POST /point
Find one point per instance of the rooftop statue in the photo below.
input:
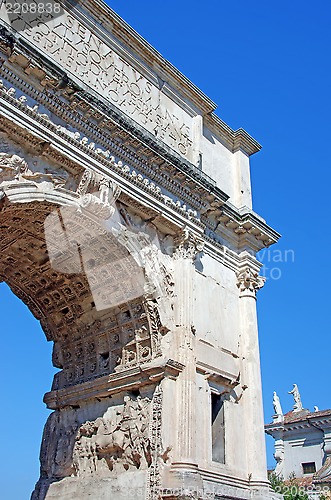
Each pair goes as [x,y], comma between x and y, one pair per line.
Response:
[297,398]
[277,406]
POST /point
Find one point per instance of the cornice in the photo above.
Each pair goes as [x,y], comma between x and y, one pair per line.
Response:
[244,229]
[109,22]
[219,220]
[52,76]
[107,385]
[306,423]
[235,140]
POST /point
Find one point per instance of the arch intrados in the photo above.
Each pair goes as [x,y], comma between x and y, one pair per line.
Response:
[24,261]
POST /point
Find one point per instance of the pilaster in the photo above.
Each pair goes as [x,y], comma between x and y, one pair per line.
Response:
[184,458]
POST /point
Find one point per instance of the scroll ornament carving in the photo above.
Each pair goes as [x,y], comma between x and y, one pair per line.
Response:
[249,282]
[158,455]
[118,440]
[279,457]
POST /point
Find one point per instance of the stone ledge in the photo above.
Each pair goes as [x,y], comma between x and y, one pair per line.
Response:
[106,386]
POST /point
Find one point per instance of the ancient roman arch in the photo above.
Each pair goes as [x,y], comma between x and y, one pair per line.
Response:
[128,230]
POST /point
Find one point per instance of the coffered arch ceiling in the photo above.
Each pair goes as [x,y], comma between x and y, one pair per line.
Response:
[90,341]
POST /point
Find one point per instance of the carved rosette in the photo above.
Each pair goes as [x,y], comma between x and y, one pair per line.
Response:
[249,282]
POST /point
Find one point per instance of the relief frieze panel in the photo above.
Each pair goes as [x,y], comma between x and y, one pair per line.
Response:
[117,441]
[170,193]
[16,165]
[100,442]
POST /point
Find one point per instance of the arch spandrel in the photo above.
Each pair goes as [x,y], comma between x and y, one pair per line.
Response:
[65,156]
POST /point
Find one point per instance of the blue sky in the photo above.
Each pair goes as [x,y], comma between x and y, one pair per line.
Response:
[267,65]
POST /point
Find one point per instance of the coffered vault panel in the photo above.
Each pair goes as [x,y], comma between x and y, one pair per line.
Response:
[127,229]
[88,343]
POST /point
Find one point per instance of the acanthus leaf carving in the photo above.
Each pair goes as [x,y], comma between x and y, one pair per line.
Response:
[188,245]
[249,282]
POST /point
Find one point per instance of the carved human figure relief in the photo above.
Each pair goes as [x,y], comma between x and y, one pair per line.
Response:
[115,442]
[14,168]
[11,167]
[98,194]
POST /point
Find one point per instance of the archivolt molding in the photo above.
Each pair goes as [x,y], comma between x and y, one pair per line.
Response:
[98,327]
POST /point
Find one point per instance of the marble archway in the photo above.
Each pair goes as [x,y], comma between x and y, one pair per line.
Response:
[100,287]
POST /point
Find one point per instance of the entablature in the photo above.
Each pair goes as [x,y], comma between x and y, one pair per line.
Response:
[86,132]
[108,385]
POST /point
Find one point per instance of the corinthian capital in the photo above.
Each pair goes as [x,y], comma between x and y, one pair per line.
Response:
[249,282]
[188,245]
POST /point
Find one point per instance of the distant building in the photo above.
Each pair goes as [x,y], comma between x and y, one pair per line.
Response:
[302,445]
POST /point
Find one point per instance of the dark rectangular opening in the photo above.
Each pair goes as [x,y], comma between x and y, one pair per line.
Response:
[217,429]
[309,467]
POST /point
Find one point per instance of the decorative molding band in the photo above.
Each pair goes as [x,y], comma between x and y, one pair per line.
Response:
[106,386]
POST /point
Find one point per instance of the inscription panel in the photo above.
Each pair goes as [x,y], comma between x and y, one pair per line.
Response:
[96,64]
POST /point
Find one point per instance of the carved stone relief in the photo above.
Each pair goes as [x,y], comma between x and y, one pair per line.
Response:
[249,282]
[100,67]
[88,343]
[17,166]
[130,337]
[115,442]
[11,167]
[58,444]
[125,436]
[135,176]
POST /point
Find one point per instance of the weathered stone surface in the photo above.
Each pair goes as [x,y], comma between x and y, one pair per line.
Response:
[138,263]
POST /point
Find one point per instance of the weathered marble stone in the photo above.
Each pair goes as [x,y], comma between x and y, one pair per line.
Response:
[127,229]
